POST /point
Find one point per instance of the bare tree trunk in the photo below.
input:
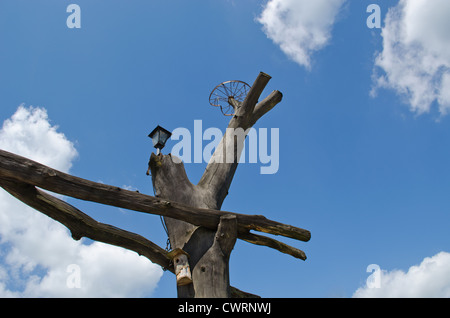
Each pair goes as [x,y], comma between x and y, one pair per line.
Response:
[22,177]
[210,250]
[191,212]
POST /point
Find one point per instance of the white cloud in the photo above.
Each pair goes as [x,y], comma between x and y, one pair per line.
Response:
[415,60]
[29,133]
[300,27]
[36,252]
[429,279]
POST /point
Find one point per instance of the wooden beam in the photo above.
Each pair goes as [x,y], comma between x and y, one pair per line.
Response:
[269,242]
[82,225]
[20,169]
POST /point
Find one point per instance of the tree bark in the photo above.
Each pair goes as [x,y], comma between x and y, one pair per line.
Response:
[191,212]
[210,250]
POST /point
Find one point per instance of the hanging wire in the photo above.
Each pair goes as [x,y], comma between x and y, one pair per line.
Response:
[168,245]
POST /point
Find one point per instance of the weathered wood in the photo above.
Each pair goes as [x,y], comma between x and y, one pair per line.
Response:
[220,170]
[180,262]
[171,182]
[247,107]
[265,105]
[14,167]
[191,212]
[208,263]
[280,246]
[82,225]
[213,266]
[237,293]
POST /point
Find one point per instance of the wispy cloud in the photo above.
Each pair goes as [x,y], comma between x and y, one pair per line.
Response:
[431,278]
[36,252]
[415,60]
[300,27]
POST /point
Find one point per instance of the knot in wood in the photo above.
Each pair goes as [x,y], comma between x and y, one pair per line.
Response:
[49,172]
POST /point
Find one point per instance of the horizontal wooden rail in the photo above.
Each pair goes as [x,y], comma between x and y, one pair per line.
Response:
[14,167]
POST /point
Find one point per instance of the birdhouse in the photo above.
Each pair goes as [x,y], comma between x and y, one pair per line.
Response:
[181,265]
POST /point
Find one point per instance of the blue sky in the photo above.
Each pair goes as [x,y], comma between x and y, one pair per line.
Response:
[364,131]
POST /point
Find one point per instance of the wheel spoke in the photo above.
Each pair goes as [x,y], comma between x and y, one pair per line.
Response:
[220,95]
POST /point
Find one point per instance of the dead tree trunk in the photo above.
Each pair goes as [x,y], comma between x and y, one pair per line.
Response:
[192,213]
[209,250]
